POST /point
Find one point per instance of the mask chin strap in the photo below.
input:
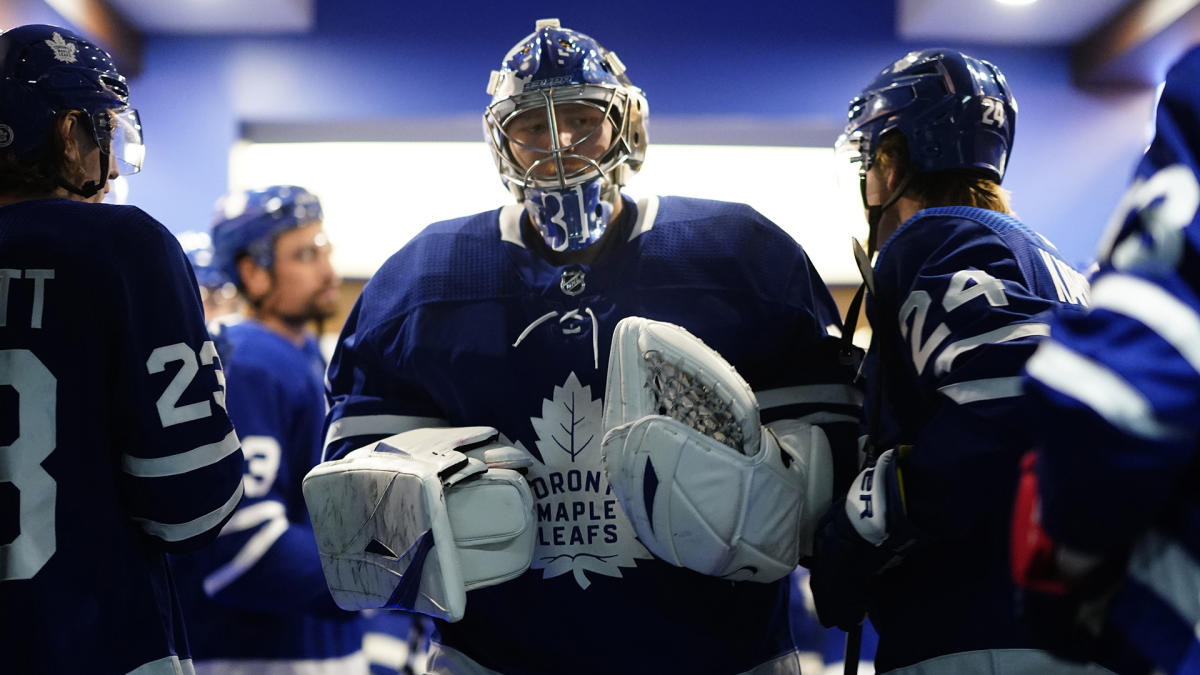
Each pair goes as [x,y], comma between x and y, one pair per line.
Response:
[874,215]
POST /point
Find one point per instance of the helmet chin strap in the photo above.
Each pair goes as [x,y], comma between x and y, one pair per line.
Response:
[90,188]
[874,215]
[875,211]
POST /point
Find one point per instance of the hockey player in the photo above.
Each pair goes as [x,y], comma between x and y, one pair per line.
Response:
[957,297]
[256,599]
[114,442]
[218,294]
[505,319]
[1116,394]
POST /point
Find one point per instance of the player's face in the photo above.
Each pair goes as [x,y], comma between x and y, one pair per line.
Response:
[304,285]
[577,123]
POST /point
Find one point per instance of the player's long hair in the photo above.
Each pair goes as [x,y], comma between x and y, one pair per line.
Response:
[36,176]
[955,187]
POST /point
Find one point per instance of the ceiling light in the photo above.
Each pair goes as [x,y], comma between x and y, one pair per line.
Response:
[1016,2]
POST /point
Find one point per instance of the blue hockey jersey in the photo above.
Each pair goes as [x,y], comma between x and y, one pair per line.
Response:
[258,593]
[961,299]
[114,443]
[1118,396]
[469,325]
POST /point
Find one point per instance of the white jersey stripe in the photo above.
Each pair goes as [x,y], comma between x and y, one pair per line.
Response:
[982,390]
[174,465]
[1006,334]
[253,551]
[647,214]
[253,516]
[841,394]
[181,531]
[373,425]
[510,224]
[1100,389]
[826,418]
[449,661]
[385,650]
[339,665]
[1171,319]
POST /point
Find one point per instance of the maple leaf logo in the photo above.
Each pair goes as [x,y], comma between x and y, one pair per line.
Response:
[581,527]
[63,51]
[570,421]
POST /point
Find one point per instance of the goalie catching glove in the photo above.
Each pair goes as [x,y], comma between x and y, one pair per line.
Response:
[418,519]
[705,485]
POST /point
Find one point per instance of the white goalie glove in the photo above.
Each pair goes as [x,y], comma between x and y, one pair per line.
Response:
[706,486]
[418,519]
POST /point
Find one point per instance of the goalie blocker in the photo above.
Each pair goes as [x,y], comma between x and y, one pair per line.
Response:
[705,485]
[416,520]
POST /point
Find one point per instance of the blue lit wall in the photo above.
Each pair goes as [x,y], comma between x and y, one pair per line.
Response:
[1074,150]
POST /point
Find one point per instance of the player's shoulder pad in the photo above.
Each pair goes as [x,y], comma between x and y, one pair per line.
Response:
[450,260]
[936,235]
[250,350]
[693,212]
[129,241]
[701,233]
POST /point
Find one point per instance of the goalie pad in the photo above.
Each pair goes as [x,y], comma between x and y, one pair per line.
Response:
[705,485]
[411,522]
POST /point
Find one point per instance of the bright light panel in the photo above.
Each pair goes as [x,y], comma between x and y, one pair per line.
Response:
[378,195]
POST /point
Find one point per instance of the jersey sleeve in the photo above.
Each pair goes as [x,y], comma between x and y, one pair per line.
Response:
[1117,390]
[817,381]
[266,556]
[369,396]
[181,466]
[1117,395]
[958,319]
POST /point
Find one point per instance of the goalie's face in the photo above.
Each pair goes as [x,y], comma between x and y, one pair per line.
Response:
[568,132]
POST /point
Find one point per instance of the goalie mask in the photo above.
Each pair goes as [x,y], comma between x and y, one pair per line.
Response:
[567,129]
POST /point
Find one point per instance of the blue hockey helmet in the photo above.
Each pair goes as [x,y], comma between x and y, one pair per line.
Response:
[45,71]
[568,194]
[248,222]
[955,111]
[198,248]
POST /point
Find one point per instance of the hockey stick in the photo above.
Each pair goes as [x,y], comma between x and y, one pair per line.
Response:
[853,649]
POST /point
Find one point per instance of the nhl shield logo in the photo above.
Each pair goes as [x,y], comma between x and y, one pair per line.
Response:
[572,282]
